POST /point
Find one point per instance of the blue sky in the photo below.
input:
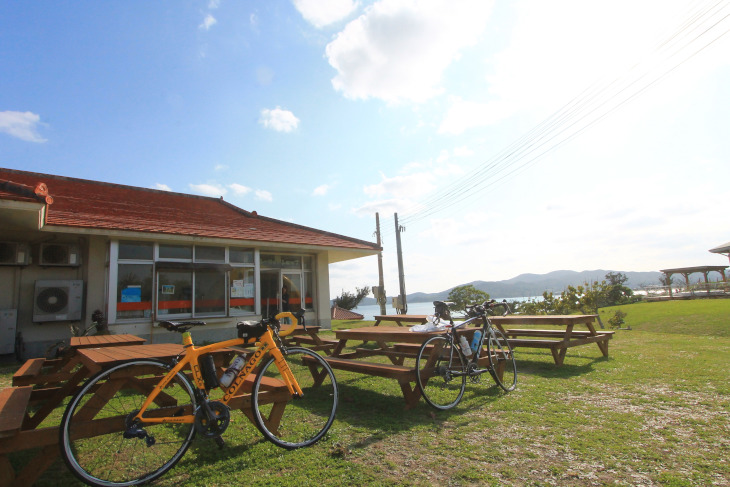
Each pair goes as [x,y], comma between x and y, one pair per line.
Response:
[509,137]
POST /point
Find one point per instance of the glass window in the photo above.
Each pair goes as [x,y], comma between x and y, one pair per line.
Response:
[176,252]
[210,292]
[210,254]
[270,261]
[307,260]
[291,262]
[134,291]
[243,290]
[309,291]
[174,292]
[240,256]
[136,251]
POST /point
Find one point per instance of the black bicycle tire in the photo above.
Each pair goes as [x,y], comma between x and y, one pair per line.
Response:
[497,341]
[422,381]
[330,415]
[64,429]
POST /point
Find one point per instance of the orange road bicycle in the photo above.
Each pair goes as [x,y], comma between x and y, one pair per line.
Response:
[130,424]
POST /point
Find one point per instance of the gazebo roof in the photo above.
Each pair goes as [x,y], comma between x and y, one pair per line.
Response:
[690,270]
[721,249]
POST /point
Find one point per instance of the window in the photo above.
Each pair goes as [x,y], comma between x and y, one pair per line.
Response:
[210,292]
[134,291]
[174,292]
[243,291]
[210,254]
[181,252]
[171,281]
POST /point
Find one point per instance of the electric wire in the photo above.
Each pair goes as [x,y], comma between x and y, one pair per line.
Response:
[510,160]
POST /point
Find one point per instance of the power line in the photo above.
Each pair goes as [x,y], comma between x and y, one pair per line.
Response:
[607,96]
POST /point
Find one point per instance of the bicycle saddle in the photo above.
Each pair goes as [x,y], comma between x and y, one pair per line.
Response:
[180,326]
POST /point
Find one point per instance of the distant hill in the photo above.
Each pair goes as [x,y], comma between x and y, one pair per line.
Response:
[530,285]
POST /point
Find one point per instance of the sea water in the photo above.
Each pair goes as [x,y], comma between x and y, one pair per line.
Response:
[425,308]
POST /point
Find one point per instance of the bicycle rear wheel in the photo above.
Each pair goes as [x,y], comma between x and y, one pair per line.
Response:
[499,350]
[305,419]
[441,373]
[93,426]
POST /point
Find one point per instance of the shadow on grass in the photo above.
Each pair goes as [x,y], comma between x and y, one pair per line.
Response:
[538,363]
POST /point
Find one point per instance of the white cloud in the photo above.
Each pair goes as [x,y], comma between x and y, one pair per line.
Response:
[320,13]
[162,187]
[208,22]
[239,189]
[412,185]
[398,49]
[321,190]
[463,115]
[22,125]
[209,189]
[220,167]
[278,119]
[263,195]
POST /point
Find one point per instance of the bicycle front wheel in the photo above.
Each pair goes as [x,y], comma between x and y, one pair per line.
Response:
[500,354]
[303,420]
[92,431]
[441,373]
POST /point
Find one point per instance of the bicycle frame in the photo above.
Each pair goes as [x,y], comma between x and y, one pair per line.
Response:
[474,357]
[265,344]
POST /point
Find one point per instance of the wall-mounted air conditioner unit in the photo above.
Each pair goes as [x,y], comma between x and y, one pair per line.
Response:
[58,300]
[59,254]
[14,253]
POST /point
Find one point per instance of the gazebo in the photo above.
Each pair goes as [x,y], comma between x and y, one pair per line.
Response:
[687,271]
[723,249]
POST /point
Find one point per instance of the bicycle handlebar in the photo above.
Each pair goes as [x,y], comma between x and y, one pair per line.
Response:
[296,319]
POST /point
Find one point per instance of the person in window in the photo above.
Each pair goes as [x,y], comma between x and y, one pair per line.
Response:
[285,299]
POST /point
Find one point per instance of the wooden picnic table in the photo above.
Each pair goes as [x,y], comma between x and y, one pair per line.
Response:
[400,319]
[39,371]
[557,340]
[309,338]
[19,430]
[396,343]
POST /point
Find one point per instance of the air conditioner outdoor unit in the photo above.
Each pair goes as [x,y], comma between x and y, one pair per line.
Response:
[14,253]
[58,300]
[59,254]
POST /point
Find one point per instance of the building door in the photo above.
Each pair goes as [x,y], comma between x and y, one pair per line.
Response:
[280,291]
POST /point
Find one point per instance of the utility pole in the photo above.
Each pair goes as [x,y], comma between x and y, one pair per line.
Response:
[401,275]
[381,283]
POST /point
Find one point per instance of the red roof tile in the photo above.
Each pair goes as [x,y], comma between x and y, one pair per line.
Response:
[79,203]
[345,314]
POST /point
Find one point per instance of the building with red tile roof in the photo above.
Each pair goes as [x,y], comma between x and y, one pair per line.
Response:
[141,255]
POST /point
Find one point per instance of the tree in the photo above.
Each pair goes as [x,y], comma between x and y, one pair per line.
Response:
[348,300]
[616,292]
[466,295]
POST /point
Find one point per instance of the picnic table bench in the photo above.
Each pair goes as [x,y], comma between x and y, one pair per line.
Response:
[556,340]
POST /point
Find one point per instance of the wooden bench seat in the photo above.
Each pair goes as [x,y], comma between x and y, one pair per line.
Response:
[398,372]
[28,371]
[310,342]
[551,333]
[13,403]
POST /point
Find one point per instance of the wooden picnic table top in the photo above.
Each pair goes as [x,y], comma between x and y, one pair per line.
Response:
[543,319]
[389,334]
[400,319]
[105,341]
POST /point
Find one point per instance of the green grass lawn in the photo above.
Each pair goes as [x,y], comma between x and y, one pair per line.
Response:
[655,413]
